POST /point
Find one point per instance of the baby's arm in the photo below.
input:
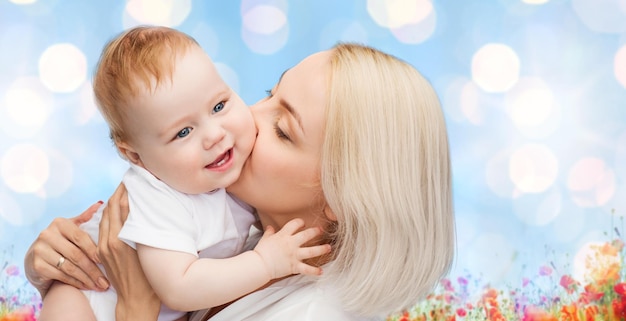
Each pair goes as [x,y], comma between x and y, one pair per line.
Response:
[65,303]
[185,283]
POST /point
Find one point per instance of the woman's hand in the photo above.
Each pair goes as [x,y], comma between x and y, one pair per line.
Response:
[65,253]
[135,298]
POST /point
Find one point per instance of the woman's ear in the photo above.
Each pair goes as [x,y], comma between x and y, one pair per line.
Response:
[329,213]
[129,153]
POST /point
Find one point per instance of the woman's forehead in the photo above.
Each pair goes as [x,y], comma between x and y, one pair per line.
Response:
[305,88]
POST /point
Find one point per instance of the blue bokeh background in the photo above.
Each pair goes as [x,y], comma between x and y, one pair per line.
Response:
[533,91]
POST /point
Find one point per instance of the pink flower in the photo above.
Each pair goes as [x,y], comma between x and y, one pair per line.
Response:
[12,270]
[525,282]
[545,270]
[447,285]
[568,283]
[461,312]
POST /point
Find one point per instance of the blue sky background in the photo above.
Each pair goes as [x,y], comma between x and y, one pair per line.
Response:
[533,91]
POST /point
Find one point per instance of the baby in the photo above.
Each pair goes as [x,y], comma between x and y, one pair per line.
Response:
[186,135]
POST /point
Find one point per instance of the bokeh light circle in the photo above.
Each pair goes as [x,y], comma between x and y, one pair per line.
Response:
[61,175]
[532,107]
[497,178]
[533,168]
[415,33]
[265,28]
[264,19]
[495,67]
[170,13]
[25,168]
[62,68]
[23,1]
[591,182]
[607,16]
[28,105]
[619,66]
[398,13]
[538,209]
[591,259]
[535,1]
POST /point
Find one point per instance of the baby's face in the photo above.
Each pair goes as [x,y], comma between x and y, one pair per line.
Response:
[193,132]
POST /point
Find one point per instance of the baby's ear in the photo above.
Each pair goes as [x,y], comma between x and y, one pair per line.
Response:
[129,153]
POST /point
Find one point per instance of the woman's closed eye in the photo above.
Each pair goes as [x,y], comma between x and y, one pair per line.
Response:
[280,133]
[183,132]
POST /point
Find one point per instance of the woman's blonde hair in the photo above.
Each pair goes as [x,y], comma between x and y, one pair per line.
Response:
[138,58]
[386,176]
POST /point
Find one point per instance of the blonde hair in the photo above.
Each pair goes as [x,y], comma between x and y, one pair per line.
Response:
[139,58]
[386,176]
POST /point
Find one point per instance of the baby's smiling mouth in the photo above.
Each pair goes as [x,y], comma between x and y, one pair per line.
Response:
[221,160]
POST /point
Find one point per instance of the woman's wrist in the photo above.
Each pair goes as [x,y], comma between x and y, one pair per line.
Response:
[146,309]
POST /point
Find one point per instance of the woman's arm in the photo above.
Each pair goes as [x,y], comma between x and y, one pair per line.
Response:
[63,238]
[135,298]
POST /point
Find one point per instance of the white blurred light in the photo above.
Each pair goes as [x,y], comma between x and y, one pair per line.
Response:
[497,178]
[25,168]
[495,67]
[530,102]
[62,68]
[23,1]
[28,104]
[602,15]
[620,157]
[619,66]
[265,28]
[61,175]
[398,13]
[533,168]
[532,107]
[470,103]
[10,209]
[538,209]
[591,182]
[169,13]
[264,19]
[589,258]
[21,210]
[87,109]
[535,1]
[415,33]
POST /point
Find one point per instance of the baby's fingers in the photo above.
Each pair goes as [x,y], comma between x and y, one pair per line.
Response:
[313,251]
[303,268]
[292,226]
[307,235]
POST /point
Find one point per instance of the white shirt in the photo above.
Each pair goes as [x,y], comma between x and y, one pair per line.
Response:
[212,225]
[165,218]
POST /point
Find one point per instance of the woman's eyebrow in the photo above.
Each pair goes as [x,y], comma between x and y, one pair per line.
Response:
[287,105]
[293,112]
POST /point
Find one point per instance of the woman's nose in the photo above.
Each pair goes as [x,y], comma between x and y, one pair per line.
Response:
[212,136]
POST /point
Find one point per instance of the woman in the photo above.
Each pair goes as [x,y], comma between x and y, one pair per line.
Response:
[351,140]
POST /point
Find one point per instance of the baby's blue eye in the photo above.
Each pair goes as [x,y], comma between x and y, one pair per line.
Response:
[184,132]
[218,107]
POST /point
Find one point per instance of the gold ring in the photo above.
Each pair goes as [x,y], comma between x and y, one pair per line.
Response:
[61,261]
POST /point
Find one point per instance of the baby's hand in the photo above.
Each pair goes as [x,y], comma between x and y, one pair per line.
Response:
[282,251]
